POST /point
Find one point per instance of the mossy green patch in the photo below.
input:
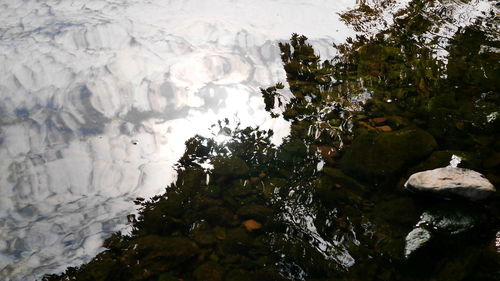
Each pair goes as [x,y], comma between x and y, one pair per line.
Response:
[375,155]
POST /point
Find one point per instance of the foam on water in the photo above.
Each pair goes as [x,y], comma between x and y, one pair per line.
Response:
[98,97]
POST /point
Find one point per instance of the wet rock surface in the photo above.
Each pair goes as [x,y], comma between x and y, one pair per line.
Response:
[444,158]
[450,181]
[416,239]
[447,224]
[384,154]
[450,220]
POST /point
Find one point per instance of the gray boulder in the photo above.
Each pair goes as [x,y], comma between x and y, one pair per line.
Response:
[416,239]
[451,181]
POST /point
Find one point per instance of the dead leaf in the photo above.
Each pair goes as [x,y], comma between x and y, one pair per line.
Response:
[252,225]
[384,128]
[379,120]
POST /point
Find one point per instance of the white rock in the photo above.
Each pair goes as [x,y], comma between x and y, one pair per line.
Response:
[452,181]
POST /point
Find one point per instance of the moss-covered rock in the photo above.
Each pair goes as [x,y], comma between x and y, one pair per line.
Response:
[344,181]
[375,155]
[331,193]
[203,234]
[397,211]
[258,212]
[210,271]
[238,241]
[171,250]
[442,158]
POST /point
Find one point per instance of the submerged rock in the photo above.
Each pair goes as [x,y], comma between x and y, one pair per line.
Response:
[344,181]
[449,181]
[210,271]
[374,154]
[400,211]
[446,224]
[258,212]
[416,239]
[450,220]
[443,158]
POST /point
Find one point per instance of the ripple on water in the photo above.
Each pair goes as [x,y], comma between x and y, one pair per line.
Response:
[98,97]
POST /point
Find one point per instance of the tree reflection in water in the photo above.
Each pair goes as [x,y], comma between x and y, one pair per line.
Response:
[327,203]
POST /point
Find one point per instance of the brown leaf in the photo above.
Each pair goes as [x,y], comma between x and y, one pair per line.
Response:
[384,128]
[252,225]
[379,120]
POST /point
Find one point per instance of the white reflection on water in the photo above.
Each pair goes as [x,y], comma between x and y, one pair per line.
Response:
[98,97]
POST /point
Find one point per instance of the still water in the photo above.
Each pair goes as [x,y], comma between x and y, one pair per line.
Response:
[98,97]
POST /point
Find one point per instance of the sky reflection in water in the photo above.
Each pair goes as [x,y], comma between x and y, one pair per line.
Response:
[98,97]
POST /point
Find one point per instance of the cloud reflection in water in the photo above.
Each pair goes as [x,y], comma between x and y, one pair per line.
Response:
[98,97]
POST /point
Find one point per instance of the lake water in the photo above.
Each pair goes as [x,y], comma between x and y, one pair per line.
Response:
[98,97]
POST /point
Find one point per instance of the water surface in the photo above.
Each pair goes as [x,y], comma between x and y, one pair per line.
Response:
[98,97]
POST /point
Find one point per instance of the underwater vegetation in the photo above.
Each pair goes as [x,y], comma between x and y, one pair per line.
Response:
[329,203]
